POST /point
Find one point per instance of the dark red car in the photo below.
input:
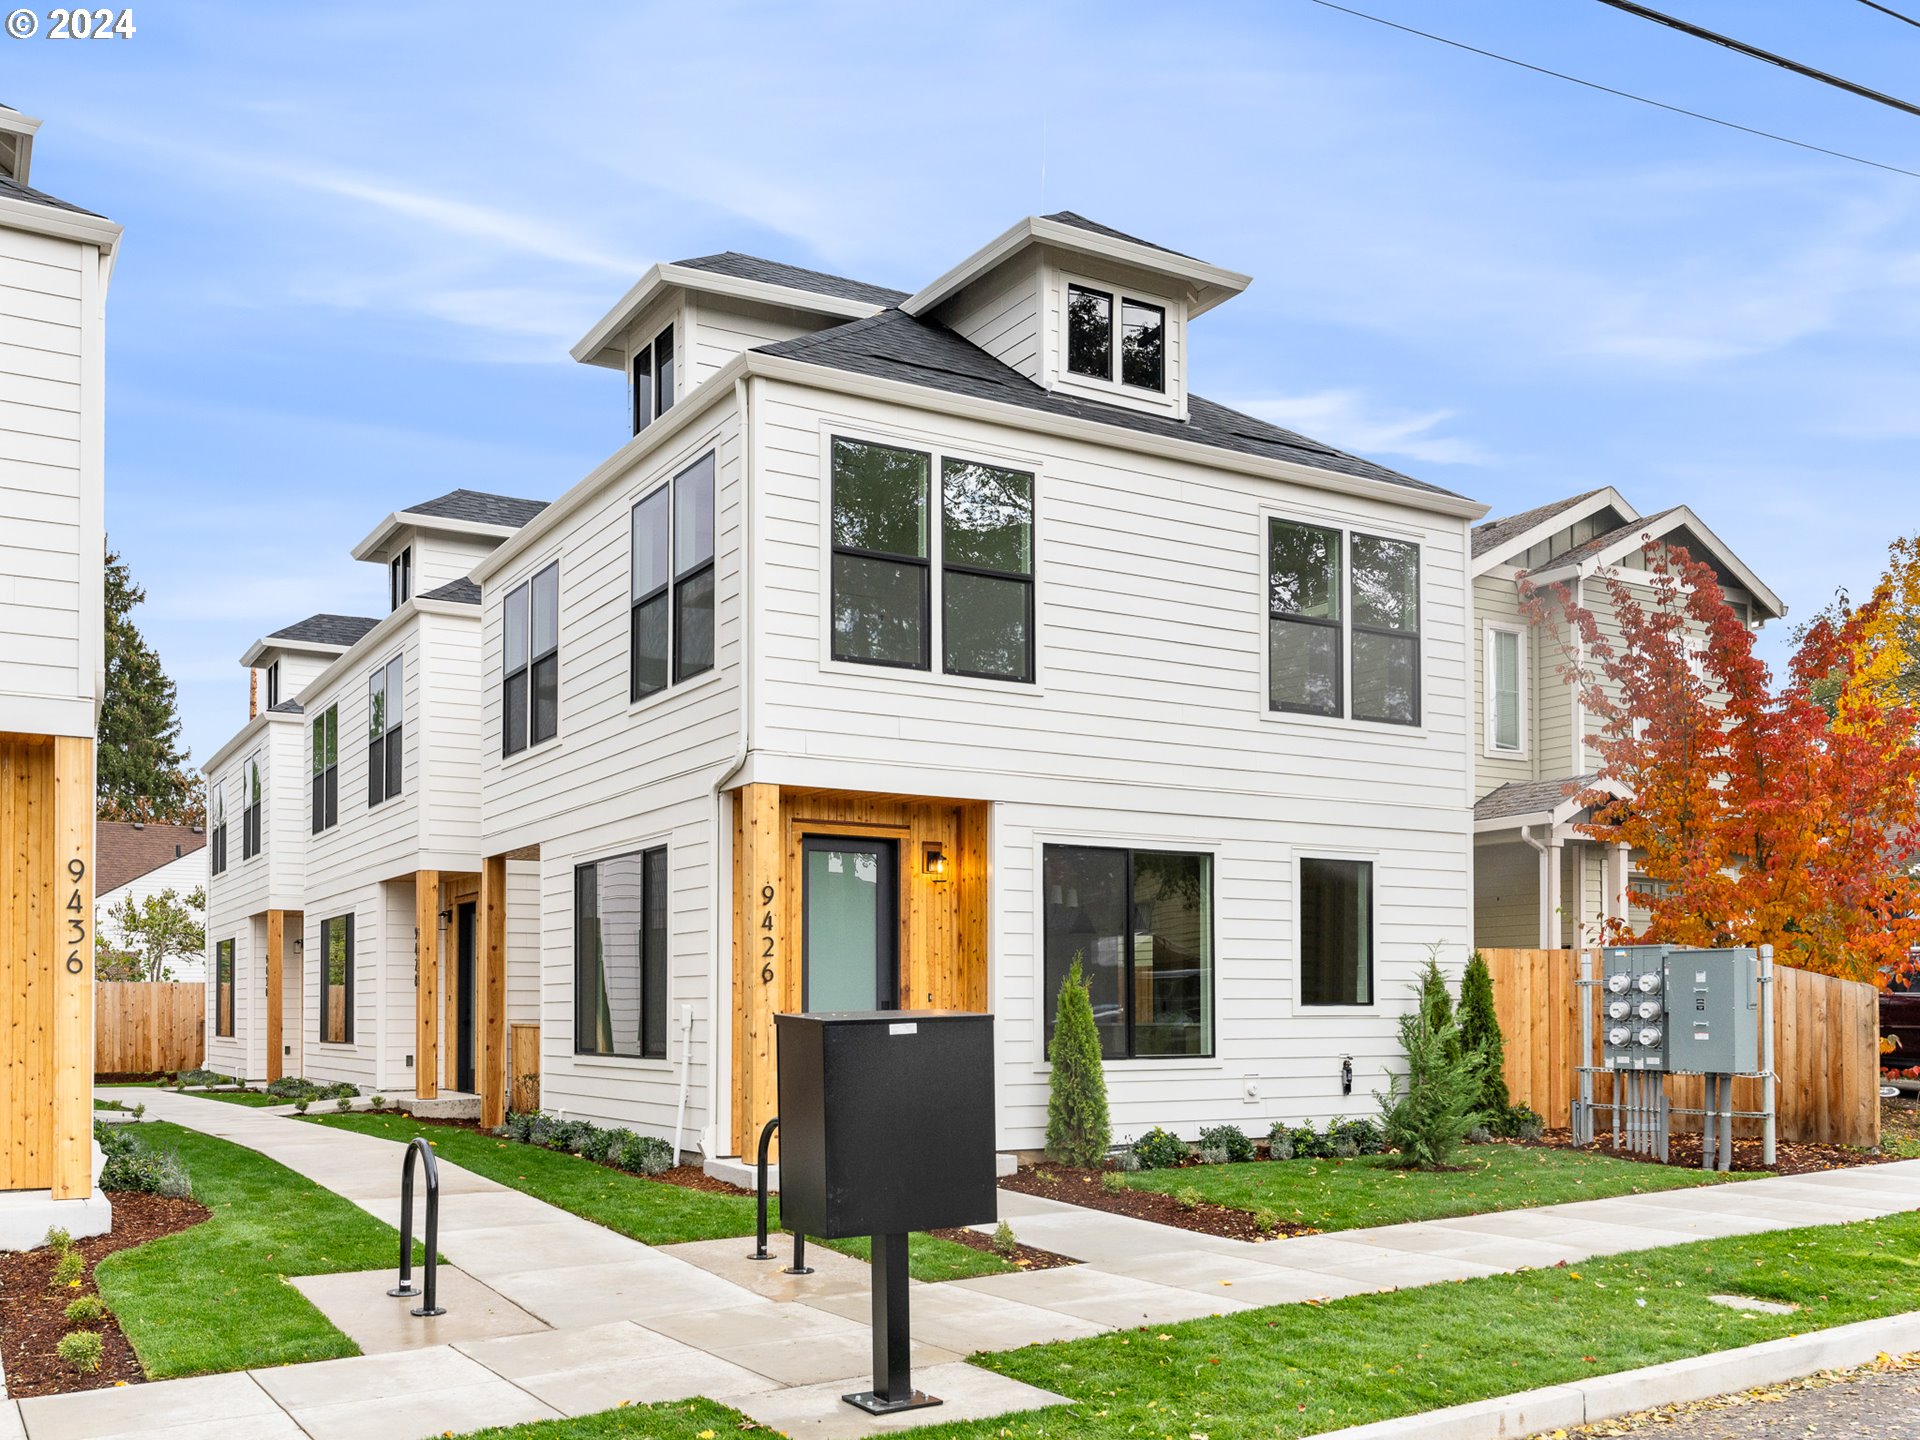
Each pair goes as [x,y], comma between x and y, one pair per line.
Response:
[1900,1018]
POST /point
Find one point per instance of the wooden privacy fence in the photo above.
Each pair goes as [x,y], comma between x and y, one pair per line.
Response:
[140,1026]
[1826,1050]
[523,1049]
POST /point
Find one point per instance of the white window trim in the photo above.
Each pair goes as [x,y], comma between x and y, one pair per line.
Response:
[1489,629]
[1171,396]
[936,449]
[1296,1007]
[1346,525]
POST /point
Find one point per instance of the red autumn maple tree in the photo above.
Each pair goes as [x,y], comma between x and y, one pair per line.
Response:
[1764,819]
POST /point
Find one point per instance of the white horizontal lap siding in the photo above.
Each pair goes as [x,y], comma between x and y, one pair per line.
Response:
[449,736]
[287,822]
[382,842]
[229,1054]
[718,332]
[43,334]
[440,559]
[1151,625]
[1506,889]
[357,1062]
[394,1056]
[1002,314]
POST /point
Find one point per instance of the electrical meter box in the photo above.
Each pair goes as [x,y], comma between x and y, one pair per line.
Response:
[1633,1007]
[1714,996]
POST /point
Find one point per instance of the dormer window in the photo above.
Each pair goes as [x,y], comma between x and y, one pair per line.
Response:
[273,684]
[653,380]
[400,578]
[1090,338]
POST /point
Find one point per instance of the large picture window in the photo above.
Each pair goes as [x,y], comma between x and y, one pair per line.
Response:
[1343,623]
[326,769]
[251,838]
[1505,697]
[671,627]
[986,571]
[1141,924]
[336,980]
[1336,932]
[386,710]
[881,584]
[223,988]
[530,656]
[620,940]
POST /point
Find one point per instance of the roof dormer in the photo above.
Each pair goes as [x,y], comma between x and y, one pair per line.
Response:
[16,145]
[1082,309]
[439,541]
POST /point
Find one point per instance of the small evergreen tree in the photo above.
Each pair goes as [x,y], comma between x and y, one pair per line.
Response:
[1436,1002]
[142,764]
[1078,1132]
[1480,1033]
[1427,1114]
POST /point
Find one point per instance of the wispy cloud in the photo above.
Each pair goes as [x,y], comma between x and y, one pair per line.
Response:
[1353,421]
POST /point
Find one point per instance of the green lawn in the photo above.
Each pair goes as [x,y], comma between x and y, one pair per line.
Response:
[1295,1370]
[647,1210]
[1353,1194]
[215,1297]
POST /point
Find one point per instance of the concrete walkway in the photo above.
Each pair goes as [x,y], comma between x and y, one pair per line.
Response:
[552,1315]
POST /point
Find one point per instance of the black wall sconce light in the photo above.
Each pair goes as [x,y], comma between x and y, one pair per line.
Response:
[933,861]
[1346,1075]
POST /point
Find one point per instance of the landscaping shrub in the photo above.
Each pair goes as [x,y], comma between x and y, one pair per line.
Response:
[300,1105]
[1429,1111]
[1187,1198]
[1126,1160]
[139,1111]
[1524,1123]
[1364,1135]
[1309,1143]
[1160,1149]
[295,1087]
[1479,1135]
[1211,1155]
[1267,1219]
[68,1270]
[1280,1143]
[133,1165]
[1078,1130]
[58,1240]
[82,1350]
[1231,1139]
[86,1309]
[1436,1002]
[1480,1033]
[1005,1244]
[378,1102]
[618,1147]
[344,1104]
[1112,1181]
[202,1078]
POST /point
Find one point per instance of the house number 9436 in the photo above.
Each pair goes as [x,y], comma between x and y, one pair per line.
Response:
[766,935]
[76,922]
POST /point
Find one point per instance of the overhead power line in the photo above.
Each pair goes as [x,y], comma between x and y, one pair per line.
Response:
[1740,47]
[1906,19]
[1623,94]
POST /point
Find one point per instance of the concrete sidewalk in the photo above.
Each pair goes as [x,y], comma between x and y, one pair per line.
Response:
[554,1315]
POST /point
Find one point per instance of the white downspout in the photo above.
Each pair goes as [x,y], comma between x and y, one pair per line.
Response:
[1548,851]
[686,1070]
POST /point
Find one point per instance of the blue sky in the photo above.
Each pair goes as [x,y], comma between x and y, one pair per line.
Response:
[361,237]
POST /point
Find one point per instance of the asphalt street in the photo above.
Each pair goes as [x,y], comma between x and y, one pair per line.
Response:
[1873,1404]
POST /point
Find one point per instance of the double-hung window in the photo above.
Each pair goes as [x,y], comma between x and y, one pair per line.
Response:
[653,380]
[217,842]
[670,629]
[336,980]
[223,987]
[326,769]
[1505,691]
[881,611]
[1091,335]
[400,578]
[1336,932]
[1140,922]
[530,680]
[386,710]
[1343,623]
[250,837]
[620,940]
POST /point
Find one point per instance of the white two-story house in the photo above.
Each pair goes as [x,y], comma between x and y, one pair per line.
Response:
[917,645]
[1537,880]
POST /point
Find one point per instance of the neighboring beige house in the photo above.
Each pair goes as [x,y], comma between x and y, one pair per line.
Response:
[1537,880]
[135,861]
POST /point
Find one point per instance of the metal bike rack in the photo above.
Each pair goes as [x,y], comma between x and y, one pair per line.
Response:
[418,1146]
[760,1251]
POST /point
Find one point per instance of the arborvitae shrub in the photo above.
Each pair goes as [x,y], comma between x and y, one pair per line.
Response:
[1078,1131]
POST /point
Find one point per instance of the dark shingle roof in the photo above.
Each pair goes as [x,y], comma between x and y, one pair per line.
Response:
[1081,222]
[286,707]
[1606,541]
[794,277]
[342,630]
[458,592]
[124,851]
[14,190]
[895,346]
[479,507]
[1530,797]
[1490,534]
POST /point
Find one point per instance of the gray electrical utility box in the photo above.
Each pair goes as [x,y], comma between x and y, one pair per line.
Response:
[1633,1007]
[1714,999]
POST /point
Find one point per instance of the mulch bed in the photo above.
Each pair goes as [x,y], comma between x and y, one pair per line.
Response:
[32,1320]
[1021,1257]
[1082,1187]
[1683,1151]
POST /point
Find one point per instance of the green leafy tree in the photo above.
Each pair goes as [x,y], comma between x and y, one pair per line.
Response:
[152,933]
[1480,1034]
[1078,1131]
[1428,1113]
[143,766]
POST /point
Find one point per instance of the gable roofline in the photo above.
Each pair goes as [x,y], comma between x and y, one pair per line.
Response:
[391,624]
[1546,802]
[384,533]
[290,639]
[1543,521]
[1207,285]
[243,739]
[596,347]
[1606,550]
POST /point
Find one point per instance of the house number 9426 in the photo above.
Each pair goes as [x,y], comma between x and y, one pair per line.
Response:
[76,922]
[766,935]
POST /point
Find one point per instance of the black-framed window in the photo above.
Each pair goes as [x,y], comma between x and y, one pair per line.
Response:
[620,944]
[1089,332]
[1386,630]
[693,633]
[250,837]
[986,571]
[400,578]
[217,840]
[325,767]
[1305,665]
[670,630]
[386,715]
[273,684]
[663,372]
[652,376]
[1336,932]
[649,624]
[223,988]
[1143,331]
[1093,338]
[336,980]
[530,653]
[1141,924]
[881,580]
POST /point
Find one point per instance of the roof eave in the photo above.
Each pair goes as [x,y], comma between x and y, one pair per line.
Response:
[378,538]
[1674,519]
[60,224]
[1559,520]
[266,644]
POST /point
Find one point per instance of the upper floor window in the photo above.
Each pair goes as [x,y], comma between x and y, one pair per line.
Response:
[217,841]
[250,837]
[653,380]
[223,987]
[273,684]
[670,631]
[1505,695]
[1329,591]
[1090,338]
[386,710]
[620,941]
[400,578]
[883,564]
[530,654]
[326,769]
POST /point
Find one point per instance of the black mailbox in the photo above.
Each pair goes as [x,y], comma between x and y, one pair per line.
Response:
[886,1126]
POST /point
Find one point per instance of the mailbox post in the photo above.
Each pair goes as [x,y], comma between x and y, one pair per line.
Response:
[886,1126]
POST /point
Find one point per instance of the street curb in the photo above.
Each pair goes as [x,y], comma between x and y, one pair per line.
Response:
[1700,1377]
